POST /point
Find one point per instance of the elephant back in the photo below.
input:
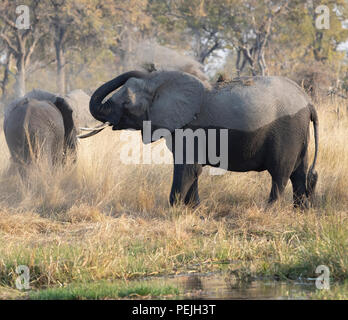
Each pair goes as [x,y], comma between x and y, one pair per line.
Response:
[247,104]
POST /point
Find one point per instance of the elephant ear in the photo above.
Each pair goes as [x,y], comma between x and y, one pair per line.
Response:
[177,99]
[69,126]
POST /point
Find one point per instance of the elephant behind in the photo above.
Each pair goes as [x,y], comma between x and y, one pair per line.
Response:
[40,125]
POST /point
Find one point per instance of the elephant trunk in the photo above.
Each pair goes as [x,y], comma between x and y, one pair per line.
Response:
[106,112]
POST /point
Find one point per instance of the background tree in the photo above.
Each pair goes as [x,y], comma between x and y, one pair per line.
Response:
[250,37]
[309,55]
[82,43]
[21,43]
[75,26]
[200,22]
[5,63]
[239,25]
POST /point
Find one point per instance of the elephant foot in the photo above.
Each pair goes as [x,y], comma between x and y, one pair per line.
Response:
[177,200]
[301,203]
[193,204]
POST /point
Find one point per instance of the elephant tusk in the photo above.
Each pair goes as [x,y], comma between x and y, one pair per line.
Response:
[102,126]
[90,134]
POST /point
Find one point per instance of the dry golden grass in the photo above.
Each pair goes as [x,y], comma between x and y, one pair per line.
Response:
[102,219]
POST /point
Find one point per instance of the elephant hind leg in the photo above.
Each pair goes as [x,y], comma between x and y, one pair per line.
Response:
[298,180]
[278,186]
[279,182]
[281,167]
[192,196]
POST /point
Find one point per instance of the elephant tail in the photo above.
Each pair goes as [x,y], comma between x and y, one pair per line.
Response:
[312,177]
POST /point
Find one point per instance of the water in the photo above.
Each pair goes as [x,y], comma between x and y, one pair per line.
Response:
[224,286]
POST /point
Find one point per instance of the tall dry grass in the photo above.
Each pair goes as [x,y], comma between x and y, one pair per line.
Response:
[102,219]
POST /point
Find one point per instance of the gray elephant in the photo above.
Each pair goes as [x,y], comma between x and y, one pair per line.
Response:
[266,118]
[78,100]
[40,124]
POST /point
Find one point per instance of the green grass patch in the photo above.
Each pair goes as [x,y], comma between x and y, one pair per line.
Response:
[323,244]
[106,290]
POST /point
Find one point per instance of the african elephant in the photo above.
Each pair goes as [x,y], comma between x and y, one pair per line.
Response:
[40,124]
[266,119]
[78,100]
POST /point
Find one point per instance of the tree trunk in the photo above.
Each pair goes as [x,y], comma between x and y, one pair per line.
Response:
[20,76]
[261,62]
[249,57]
[61,76]
[5,79]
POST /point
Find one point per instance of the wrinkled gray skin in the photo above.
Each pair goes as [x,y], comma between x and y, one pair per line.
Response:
[40,125]
[267,119]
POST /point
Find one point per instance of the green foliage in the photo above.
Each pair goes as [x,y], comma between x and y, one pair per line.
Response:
[105,290]
[93,37]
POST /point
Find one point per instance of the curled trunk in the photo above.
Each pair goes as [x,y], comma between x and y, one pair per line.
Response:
[106,111]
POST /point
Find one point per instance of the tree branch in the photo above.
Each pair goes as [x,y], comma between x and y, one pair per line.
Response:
[31,49]
[9,43]
[7,20]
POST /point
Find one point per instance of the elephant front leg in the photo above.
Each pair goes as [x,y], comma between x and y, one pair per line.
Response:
[185,184]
